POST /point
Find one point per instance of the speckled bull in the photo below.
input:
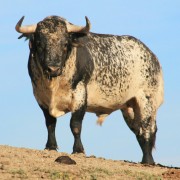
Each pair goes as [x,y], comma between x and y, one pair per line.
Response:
[74,70]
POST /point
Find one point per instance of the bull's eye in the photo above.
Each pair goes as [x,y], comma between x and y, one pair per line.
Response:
[65,49]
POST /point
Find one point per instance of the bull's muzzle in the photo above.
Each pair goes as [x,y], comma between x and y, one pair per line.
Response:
[52,71]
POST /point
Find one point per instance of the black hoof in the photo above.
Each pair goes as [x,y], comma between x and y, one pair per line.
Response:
[78,148]
[51,148]
[148,160]
[78,152]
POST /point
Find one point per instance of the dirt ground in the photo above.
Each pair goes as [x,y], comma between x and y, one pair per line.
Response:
[22,163]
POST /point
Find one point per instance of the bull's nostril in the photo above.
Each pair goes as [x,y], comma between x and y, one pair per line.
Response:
[53,69]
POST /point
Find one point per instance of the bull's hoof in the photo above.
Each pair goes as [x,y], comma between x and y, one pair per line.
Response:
[148,160]
[83,153]
[65,160]
[79,150]
[148,163]
[51,148]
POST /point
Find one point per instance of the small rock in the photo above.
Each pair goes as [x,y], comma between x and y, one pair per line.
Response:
[5,162]
[92,156]
[65,160]
[1,167]
[42,177]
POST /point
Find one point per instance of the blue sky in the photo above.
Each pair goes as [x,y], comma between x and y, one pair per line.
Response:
[156,23]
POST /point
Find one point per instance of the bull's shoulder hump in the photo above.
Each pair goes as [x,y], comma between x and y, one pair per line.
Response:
[118,41]
[115,45]
[109,36]
[123,39]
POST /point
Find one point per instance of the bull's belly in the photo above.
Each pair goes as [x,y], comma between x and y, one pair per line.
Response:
[59,100]
[105,102]
[103,106]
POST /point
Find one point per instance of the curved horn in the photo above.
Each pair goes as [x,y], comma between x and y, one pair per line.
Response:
[79,29]
[25,29]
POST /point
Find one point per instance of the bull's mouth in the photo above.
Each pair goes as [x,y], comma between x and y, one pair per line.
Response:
[51,76]
[52,72]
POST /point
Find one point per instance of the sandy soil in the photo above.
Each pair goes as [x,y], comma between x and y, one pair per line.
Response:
[22,163]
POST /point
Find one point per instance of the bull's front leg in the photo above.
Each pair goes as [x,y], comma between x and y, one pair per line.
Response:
[79,104]
[76,125]
[51,126]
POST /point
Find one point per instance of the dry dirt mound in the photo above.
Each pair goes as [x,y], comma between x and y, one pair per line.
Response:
[22,163]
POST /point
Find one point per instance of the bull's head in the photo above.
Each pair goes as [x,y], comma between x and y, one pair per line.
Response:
[50,41]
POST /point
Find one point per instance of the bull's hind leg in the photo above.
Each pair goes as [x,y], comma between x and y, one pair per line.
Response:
[139,115]
[146,140]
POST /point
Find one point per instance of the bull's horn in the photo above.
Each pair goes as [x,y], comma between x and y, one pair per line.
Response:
[79,29]
[25,29]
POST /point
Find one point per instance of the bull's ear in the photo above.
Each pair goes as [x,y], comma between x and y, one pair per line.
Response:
[76,43]
[30,44]
[31,41]
[75,40]
[26,36]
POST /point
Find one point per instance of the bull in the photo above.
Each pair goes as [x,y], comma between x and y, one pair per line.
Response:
[75,70]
